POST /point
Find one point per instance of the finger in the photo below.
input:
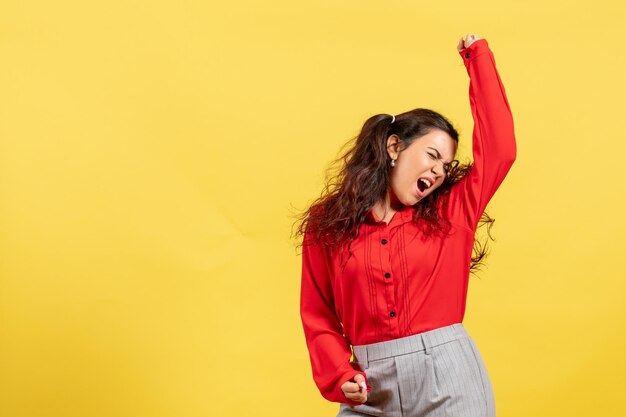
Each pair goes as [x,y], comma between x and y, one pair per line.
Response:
[357,397]
[351,387]
[471,38]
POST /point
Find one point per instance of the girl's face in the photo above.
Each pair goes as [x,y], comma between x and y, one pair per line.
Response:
[421,167]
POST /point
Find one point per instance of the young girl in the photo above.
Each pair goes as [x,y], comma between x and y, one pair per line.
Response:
[387,256]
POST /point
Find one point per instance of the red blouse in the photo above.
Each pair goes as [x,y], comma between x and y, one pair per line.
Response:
[398,282]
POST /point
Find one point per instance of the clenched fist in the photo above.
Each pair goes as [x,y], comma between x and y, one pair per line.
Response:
[469,39]
[357,390]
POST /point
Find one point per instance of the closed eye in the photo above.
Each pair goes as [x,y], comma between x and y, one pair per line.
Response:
[432,156]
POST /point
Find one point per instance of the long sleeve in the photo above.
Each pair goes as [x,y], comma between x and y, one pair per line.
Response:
[329,350]
[493,138]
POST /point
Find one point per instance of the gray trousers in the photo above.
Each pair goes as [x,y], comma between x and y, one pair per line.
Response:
[438,373]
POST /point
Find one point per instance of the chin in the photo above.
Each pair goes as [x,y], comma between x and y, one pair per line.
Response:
[410,200]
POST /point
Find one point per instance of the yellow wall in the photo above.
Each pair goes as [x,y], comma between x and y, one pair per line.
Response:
[152,155]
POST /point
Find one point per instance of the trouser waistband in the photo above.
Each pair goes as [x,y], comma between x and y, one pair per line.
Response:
[414,343]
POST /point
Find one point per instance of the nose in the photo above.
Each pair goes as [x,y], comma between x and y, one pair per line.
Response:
[436,169]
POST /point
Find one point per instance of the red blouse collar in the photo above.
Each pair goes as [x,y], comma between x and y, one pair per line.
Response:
[402,216]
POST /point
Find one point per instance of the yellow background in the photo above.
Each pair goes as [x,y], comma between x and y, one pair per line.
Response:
[154,154]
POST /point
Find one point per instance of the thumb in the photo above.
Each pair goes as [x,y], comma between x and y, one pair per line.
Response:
[460,46]
[360,380]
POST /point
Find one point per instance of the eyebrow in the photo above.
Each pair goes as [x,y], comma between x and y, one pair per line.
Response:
[435,149]
[438,154]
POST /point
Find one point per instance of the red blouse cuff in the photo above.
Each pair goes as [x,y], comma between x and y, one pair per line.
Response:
[477,48]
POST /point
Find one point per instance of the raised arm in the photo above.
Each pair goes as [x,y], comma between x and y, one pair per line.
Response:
[493,138]
[329,350]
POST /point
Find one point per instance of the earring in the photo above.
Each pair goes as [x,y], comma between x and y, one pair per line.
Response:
[393,162]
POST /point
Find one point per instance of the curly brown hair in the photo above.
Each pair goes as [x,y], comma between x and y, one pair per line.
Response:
[363,179]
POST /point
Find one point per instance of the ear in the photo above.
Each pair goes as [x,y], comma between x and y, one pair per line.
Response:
[393,144]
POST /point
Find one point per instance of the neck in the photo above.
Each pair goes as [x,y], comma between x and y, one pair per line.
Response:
[387,206]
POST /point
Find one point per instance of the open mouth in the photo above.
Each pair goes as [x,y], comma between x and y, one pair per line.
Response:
[423,184]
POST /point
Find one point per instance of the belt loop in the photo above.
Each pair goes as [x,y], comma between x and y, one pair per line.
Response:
[365,359]
[360,354]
